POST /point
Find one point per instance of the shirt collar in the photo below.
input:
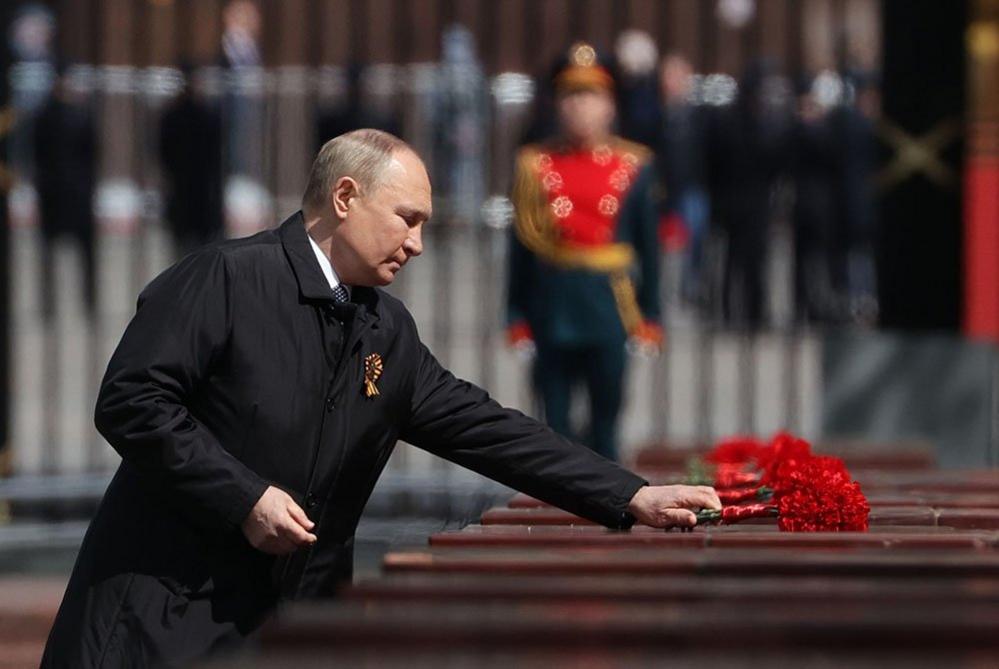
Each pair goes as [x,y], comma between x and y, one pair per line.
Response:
[312,285]
[326,265]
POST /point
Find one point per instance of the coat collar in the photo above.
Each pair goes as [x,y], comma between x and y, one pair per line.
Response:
[311,283]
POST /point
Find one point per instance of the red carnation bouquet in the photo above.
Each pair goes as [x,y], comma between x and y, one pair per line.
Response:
[735,451]
[730,464]
[806,492]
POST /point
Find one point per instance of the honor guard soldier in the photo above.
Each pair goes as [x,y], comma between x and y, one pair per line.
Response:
[584,259]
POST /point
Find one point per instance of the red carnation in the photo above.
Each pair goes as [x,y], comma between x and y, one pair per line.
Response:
[785,451]
[818,496]
[735,450]
[784,472]
[733,476]
[810,493]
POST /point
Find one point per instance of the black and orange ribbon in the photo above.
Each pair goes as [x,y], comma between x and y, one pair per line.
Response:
[372,371]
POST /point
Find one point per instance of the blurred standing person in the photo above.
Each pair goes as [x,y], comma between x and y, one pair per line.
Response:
[584,261]
[191,153]
[353,113]
[542,123]
[813,217]
[244,99]
[682,161]
[749,147]
[247,198]
[461,119]
[640,109]
[241,35]
[66,173]
[854,125]
[30,78]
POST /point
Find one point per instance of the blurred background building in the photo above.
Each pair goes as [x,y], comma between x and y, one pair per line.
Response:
[828,217]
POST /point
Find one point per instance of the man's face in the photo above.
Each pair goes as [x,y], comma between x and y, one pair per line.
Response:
[381,229]
[243,16]
[586,115]
[676,79]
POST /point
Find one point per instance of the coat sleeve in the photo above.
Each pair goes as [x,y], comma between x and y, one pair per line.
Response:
[522,266]
[163,360]
[521,275]
[460,422]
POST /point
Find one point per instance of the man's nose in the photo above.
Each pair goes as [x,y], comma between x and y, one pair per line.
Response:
[414,242]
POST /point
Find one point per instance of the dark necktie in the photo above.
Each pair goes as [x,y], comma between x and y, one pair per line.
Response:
[340,293]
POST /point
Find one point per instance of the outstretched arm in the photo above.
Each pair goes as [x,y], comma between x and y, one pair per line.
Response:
[460,422]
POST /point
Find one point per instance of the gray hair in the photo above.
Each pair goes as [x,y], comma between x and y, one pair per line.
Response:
[361,154]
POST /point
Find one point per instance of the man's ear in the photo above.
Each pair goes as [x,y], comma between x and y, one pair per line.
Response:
[344,190]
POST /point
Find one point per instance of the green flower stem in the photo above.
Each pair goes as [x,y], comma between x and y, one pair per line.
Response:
[705,516]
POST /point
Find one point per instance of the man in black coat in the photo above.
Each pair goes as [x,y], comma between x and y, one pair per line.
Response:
[749,151]
[190,149]
[255,398]
[66,165]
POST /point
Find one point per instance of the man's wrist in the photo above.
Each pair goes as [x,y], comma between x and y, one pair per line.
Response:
[634,502]
[243,506]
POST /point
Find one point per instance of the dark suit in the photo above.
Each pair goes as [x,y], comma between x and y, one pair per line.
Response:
[748,153]
[66,164]
[237,372]
[813,217]
[191,153]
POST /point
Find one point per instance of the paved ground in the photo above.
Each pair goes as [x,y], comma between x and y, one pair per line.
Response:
[27,607]
[36,556]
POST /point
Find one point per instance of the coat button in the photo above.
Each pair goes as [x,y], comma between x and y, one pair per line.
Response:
[330,404]
[310,500]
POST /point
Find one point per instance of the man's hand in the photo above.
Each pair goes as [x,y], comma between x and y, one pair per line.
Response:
[672,505]
[277,525]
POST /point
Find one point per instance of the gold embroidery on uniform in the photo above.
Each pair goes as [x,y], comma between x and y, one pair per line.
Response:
[627,303]
[561,206]
[533,227]
[552,181]
[620,179]
[608,205]
[602,154]
[583,55]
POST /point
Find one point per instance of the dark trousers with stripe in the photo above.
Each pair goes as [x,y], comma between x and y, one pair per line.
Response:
[600,369]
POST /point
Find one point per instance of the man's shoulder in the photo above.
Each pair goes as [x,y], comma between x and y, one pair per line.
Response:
[241,249]
[634,152]
[226,257]
[529,157]
[394,310]
[542,150]
[262,251]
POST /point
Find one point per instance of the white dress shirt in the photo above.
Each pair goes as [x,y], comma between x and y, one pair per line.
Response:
[326,266]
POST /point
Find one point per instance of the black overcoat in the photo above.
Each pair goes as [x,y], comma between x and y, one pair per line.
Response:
[237,372]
